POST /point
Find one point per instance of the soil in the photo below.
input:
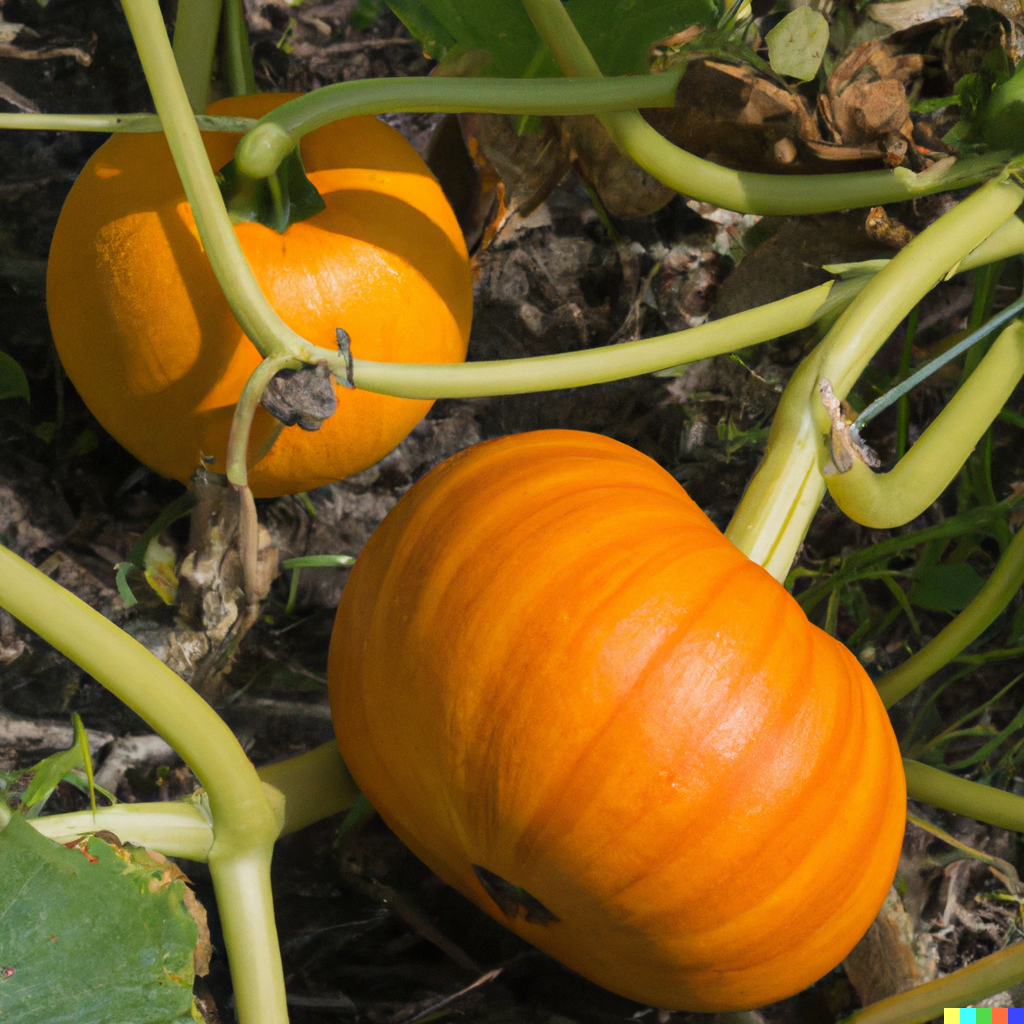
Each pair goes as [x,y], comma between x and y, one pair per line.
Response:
[367,931]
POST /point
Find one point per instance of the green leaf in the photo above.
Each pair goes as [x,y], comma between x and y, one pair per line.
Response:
[365,14]
[86,938]
[82,739]
[1003,118]
[45,431]
[86,442]
[989,101]
[13,382]
[123,587]
[318,562]
[945,588]
[422,24]
[797,44]
[618,32]
[362,810]
[47,774]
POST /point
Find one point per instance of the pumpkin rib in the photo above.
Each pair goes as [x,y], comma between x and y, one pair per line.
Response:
[750,752]
[496,708]
[818,911]
[563,792]
[695,809]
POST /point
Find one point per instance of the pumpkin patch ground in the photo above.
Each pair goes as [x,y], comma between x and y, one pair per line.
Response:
[368,932]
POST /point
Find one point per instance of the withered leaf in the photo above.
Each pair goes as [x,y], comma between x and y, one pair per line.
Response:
[866,98]
[529,164]
[735,116]
[885,229]
[845,442]
[624,188]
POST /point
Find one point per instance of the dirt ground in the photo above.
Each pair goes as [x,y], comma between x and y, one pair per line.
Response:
[367,932]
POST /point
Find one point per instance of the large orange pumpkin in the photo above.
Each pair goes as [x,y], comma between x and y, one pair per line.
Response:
[581,706]
[148,339]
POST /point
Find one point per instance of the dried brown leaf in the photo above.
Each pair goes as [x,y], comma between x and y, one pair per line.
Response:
[865,104]
[529,164]
[624,188]
[735,116]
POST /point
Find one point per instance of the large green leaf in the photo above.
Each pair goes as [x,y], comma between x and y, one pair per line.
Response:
[618,32]
[945,587]
[86,938]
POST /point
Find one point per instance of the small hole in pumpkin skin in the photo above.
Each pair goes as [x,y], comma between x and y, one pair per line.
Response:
[511,899]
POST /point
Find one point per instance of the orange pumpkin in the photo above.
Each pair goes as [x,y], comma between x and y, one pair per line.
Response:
[148,339]
[582,707]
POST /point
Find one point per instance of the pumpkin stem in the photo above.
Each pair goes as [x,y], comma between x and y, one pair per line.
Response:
[283,198]
[237,55]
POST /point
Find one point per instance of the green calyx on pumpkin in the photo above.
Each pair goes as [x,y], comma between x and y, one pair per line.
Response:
[283,198]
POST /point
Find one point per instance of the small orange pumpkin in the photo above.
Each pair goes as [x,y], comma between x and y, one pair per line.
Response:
[585,709]
[147,337]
